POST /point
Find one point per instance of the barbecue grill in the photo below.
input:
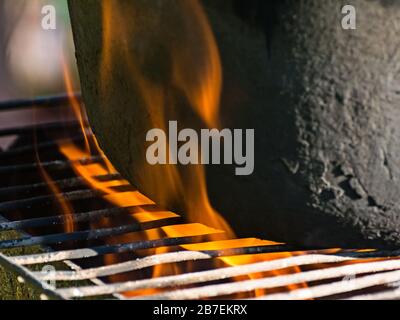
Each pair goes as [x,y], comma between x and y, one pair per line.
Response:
[266,270]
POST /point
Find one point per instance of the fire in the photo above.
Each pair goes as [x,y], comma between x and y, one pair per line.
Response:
[64,205]
[201,85]
[89,172]
[74,103]
[72,152]
[236,260]
[196,71]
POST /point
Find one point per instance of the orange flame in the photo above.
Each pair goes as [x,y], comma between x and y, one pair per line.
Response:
[201,86]
[76,106]
[89,172]
[64,205]
[196,72]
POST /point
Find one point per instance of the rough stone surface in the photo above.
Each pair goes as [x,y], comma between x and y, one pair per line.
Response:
[324,103]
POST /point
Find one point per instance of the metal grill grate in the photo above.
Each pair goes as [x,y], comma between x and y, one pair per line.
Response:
[267,270]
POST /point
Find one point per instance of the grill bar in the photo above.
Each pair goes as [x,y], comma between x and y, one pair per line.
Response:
[48,127]
[79,235]
[393,294]
[180,257]
[26,275]
[48,199]
[51,165]
[178,280]
[71,196]
[40,102]
[317,273]
[298,278]
[188,278]
[61,184]
[62,219]
[39,147]
[135,246]
[385,278]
